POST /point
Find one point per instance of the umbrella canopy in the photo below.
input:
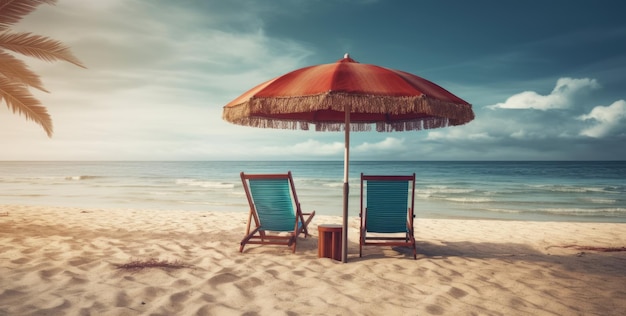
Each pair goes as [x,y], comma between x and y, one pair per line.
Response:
[351,96]
[393,100]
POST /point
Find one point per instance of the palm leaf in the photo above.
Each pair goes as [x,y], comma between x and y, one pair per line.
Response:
[16,70]
[12,11]
[37,46]
[21,101]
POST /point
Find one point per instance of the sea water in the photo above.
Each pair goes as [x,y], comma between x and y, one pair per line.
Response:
[539,191]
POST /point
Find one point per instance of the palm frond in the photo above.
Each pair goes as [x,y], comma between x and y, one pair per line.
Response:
[38,46]
[21,101]
[12,11]
[16,70]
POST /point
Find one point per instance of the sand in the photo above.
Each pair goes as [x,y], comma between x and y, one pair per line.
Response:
[66,261]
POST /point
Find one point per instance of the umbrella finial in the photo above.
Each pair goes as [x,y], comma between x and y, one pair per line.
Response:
[346,59]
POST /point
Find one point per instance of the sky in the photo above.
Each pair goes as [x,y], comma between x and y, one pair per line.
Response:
[546,79]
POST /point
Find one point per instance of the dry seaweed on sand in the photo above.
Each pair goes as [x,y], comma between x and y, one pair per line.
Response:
[153,263]
[594,248]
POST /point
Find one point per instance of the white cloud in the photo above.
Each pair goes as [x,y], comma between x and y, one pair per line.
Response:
[313,148]
[308,148]
[318,148]
[607,119]
[457,134]
[561,96]
[386,145]
[521,134]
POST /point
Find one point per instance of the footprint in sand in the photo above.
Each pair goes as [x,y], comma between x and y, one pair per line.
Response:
[178,298]
[435,310]
[122,300]
[457,293]
[223,278]
[47,273]
[22,260]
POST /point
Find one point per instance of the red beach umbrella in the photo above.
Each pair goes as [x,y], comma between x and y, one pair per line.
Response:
[351,96]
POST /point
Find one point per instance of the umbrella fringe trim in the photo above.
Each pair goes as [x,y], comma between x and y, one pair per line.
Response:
[257,111]
[261,122]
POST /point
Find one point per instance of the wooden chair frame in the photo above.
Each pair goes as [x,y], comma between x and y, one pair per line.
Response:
[258,235]
[409,239]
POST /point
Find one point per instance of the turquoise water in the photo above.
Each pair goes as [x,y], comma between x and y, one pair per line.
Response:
[556,191]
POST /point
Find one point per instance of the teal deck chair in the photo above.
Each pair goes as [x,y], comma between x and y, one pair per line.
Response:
[387,211]
[274,210]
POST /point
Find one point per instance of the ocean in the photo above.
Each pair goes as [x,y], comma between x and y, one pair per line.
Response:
[528,191]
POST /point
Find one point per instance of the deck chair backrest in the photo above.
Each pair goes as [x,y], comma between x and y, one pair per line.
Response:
[272,199]
[388,199]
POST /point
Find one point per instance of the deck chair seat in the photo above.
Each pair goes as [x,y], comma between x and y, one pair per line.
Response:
[274,211]
[387,211]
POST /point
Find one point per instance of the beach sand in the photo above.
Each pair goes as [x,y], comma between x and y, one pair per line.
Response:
[66,261]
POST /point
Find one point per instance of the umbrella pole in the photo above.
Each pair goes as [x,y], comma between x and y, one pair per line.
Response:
[346,187]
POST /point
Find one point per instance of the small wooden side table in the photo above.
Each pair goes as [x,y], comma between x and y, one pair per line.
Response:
[329,242]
